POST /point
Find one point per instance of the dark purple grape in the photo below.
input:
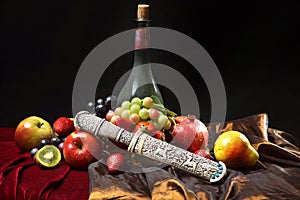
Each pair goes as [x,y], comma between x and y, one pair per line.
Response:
[91,107]
[55,140]
[101,110]
[100,101]
[110,102]
[44,142]
[33,151]
[61,146]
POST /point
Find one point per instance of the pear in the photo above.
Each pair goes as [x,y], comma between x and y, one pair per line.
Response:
[234,149]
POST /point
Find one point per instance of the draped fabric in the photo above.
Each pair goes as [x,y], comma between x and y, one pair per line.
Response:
[276,176]
[21,178]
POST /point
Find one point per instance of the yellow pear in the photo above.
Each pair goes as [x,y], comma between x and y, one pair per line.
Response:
[234,149]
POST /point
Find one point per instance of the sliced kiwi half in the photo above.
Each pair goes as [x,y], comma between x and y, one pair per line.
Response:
[48,156]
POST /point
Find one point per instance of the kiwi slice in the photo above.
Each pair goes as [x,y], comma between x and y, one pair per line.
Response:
[48,156]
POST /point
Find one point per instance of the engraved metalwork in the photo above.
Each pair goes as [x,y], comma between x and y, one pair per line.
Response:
[157,150]
[100,127]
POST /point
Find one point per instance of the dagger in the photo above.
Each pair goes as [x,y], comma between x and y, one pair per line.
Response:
[145,145]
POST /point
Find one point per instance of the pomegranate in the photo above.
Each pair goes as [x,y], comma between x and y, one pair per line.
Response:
[191,134]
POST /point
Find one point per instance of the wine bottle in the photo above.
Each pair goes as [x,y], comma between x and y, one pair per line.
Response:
[141,82]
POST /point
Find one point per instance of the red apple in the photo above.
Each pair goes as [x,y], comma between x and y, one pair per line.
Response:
[31,131]
[81,149]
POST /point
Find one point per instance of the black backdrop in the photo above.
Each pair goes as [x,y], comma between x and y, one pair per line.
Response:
[254,45]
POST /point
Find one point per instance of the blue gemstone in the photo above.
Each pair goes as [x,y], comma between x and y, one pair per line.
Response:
[220,167]
[217,175]
[212,176]
[220,171]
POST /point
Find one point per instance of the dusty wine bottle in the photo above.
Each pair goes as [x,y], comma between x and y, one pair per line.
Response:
[141,81]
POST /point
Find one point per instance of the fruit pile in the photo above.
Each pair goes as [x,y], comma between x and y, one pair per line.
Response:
[147,114]
[48,145]
[142,115]
[43,158]
[150,116]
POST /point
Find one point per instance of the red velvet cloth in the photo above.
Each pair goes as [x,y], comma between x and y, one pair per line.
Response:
[21,178]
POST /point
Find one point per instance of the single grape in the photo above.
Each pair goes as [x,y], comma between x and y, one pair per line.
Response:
[162,120]
[168,125]
[154,114]
[137,101]
[125,114]
[125,105]
[109,115]
[91,107]
[100,101]
[44,142]
[61,146]
[134,118]
[110,102]
[33,151]
[114,118]
[147,102]
[118,111]
[101,110]
[144,113]
[157,125]
[134,108]
[55,140]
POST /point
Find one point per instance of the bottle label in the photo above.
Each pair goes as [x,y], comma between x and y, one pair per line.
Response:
[142,36]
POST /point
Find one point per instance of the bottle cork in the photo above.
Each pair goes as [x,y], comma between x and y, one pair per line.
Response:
[143,11]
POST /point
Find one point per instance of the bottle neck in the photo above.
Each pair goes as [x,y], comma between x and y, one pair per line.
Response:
[142,39]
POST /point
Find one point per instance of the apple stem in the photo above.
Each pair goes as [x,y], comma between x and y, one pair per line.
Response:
[40,124]
[78,145]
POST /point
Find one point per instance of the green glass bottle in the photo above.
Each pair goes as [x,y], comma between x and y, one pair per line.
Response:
[141,82]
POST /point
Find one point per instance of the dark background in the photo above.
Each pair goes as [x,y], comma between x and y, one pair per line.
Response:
[254,45]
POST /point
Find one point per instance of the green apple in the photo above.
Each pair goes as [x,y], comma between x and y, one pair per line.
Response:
[30,131]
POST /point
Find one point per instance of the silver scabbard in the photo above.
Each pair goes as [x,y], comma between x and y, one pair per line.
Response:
[145,145]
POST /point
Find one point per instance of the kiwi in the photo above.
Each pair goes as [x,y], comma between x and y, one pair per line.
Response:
[48,156]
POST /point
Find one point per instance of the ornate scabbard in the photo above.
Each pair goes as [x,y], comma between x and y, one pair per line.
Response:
[145,145]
